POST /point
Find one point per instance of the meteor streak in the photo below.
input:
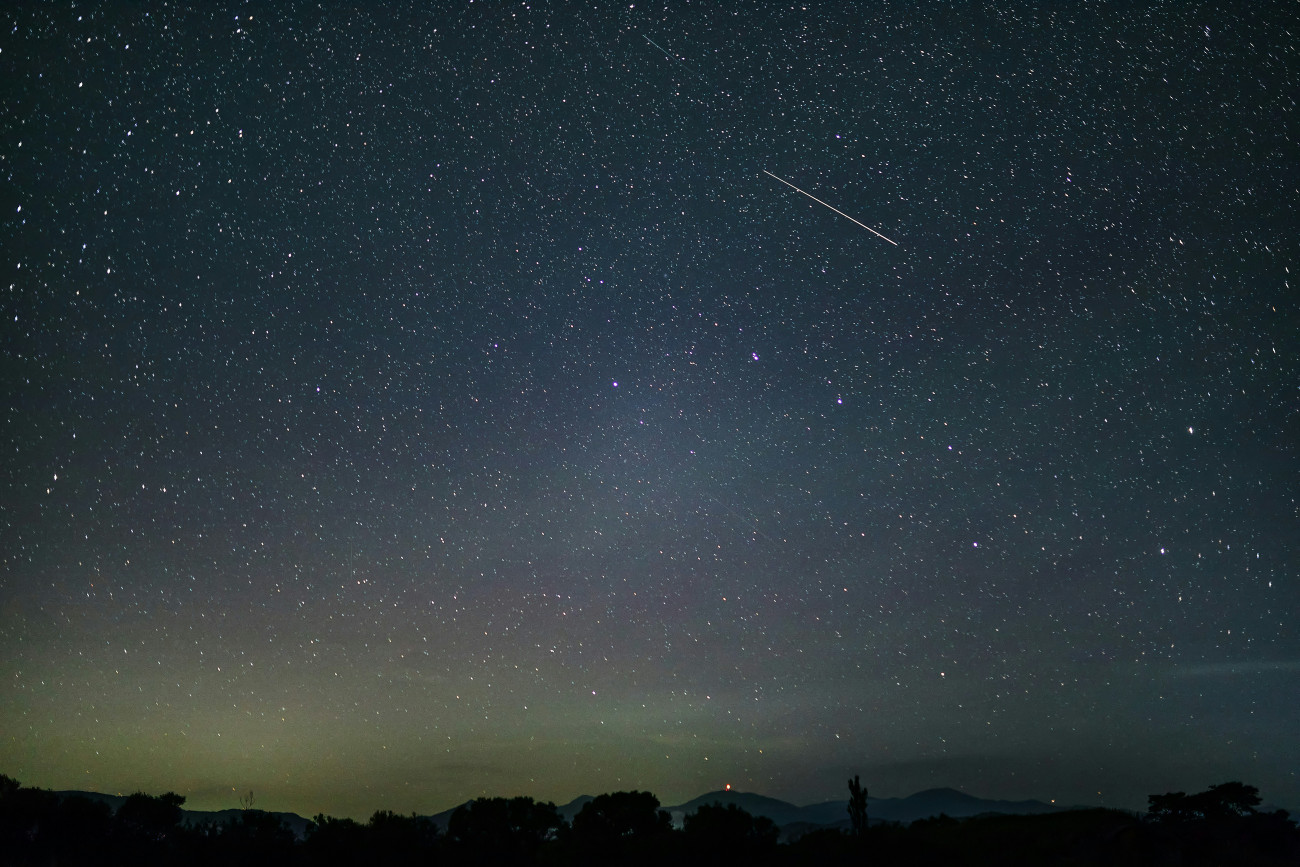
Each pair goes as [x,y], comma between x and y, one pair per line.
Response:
[832,207]
[657,45]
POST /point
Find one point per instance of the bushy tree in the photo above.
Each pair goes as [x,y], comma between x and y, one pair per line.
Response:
[717,834]
[627,827]
[1221,825]
[8,786]
[77,829]
[148,828]
[397,840]
[251,838]
[1216,804]
[151,817]
[1227,800]
[39,827]
[622,816]
[334,842]
[1169,807]
[503,830]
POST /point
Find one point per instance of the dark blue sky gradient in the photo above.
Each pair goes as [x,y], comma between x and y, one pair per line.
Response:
[406,405]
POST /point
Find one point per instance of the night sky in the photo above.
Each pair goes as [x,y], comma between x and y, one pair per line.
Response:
[404,405]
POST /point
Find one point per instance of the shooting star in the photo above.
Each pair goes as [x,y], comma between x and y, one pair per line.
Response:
[832,207]
[657,45]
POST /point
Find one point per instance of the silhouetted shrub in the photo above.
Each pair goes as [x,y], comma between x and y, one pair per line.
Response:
[334,842]
[1220,826]
[153,817]
[1218,803]
[39,827]
[716,833]
[825,846]
[400,840]
[623,827]
[148,829]
[252,838]
[502,830]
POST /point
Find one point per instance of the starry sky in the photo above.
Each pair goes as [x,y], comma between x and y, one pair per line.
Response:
[405,403]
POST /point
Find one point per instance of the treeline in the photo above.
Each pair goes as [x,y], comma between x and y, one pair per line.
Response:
[1220,826]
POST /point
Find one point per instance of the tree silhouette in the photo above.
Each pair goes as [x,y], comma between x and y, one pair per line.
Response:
[152,817]
[1169,807]
[397,840]
[621,815]
[1218,803]
[13,827]
[40,827]
[503,830]
[1228,799]
[1221,825]
[716,834]
[8,786]
[336,842]
[148,829]
[622,827]
[251,838]
[77,829]
[857,807]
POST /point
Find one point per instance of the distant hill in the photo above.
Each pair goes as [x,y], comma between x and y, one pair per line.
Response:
[113,801]
[574,807]
[567,811]
[798,820]
[780,812]
[921,805]
[296,823]
[932,802]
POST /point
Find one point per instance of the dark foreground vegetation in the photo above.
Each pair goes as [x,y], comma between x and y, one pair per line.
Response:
[1219,827]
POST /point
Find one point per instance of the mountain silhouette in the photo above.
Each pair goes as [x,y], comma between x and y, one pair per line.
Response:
[567,811]
[574,807]
[832,814]
[954,803]
[922,805]
[1219,825]
[780,812]
[296,823]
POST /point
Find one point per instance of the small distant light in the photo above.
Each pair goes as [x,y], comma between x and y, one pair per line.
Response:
[728,787]
[616,383]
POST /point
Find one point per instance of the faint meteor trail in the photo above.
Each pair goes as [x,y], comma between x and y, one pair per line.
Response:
[832,207]
[657,45]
